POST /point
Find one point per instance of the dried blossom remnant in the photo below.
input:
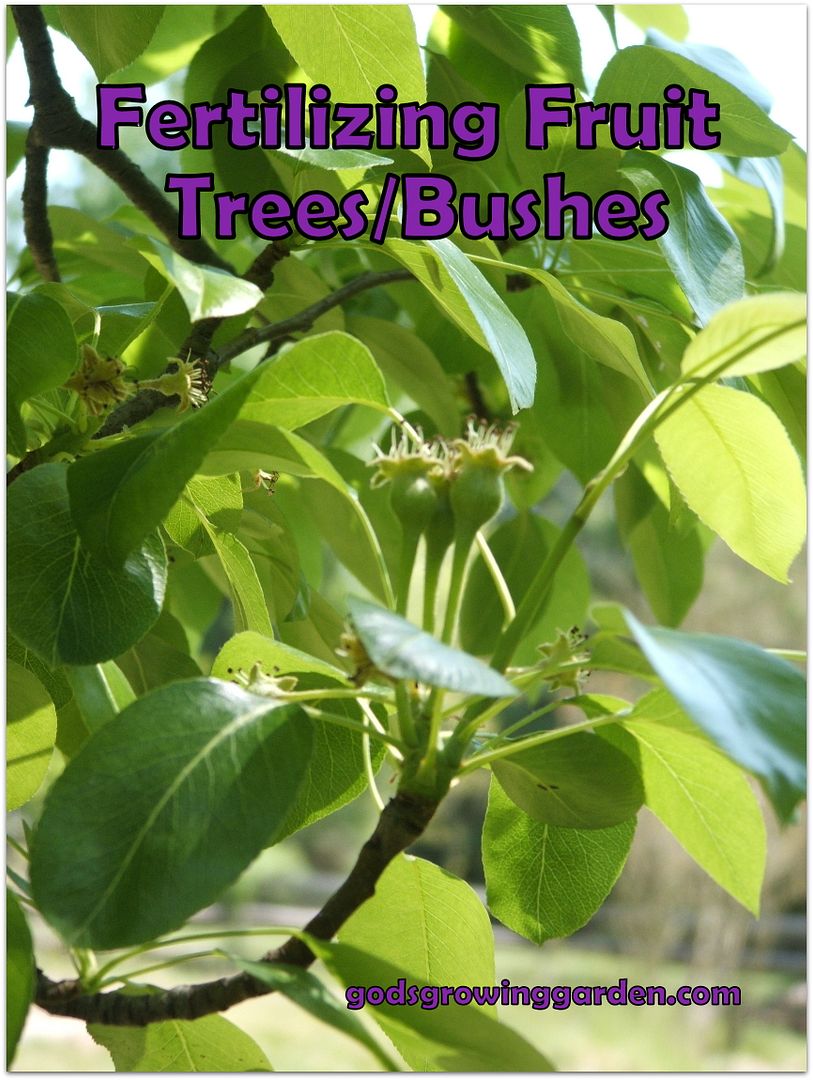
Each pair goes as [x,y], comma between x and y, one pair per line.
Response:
[259,682]
[100,381]
[352,648]
[566,650]
[189,382]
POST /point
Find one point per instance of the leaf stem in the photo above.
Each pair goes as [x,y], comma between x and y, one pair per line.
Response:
[494,570]
[515,746]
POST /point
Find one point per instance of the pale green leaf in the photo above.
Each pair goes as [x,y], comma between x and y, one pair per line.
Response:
[211,1044]
[30,734]
[734,336]
[305,990]
[702,798]
[209,293]
[354,48]
[736,468]
[670,18]
[640,73]
[314,377]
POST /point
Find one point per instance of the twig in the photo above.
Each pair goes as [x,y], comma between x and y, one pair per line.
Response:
[304,320]
[60,126]
[37,227]
[402,821]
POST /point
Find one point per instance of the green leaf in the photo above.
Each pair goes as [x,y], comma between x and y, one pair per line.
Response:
[41,355]
[401,650]
[455,1038]
[354,49]
[572,782]
[162,809]
[305,990]
[733,336]
[700,246]
[219,499]
[444,936]
[463,292]
[335,772]
[248,599]
[668,562]
[209,1045]
[161,657]
[670,18]
[519,546]
[541,41]
[64,603]
[30,734]
[243,651]
[336,160]
[543,881]
[19,973]
[610,342]
[411,364]
[208,293]
[100,692]
[16,136]
[110,37]
[736,468]
[121,494]
[314,377]
[719,61]
[700,796]
[640,73]
[752,704]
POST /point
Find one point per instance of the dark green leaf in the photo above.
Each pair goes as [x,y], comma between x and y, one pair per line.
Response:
[668,562]
[41,354]
[64,603]
[752,704]
[719,61]
[163,808]
[543,881]
[401,650]
[572,782]
[19,973]
[121,494]
[700,246]
[16,135]
[520,546]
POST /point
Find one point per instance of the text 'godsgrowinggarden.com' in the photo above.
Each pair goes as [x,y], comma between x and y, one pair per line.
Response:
[293,119]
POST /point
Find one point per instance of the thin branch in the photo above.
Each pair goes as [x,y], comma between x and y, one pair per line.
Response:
[145,402]
[60,126]
[37,227]
[401,823]
[304,320]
